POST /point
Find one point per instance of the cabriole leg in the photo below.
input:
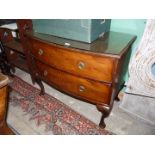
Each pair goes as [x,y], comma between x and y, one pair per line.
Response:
[105,112]
[38,81]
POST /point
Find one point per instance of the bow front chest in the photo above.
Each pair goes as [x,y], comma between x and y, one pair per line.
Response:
[90,72]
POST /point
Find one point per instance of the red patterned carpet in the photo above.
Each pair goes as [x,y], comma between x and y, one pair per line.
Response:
[50,112]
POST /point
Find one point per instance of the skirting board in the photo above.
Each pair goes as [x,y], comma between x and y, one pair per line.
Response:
[140,107]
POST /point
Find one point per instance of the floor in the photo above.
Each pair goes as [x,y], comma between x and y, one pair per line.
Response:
[119,122]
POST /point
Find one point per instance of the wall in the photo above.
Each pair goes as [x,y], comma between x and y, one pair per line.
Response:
[131,26]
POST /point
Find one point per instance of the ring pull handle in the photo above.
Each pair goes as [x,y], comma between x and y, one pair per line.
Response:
[81,65]
[40,52]
[45,73]
[81,88]
[12,52]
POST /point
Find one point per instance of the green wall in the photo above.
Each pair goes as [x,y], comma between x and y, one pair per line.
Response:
[131,26]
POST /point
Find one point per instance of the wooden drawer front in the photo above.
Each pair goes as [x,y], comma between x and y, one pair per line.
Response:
[81,64]
[94,92]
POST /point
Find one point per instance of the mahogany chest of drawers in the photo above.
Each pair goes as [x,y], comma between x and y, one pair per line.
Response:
[90,72]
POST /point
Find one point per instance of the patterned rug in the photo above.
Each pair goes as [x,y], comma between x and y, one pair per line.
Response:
[54,116]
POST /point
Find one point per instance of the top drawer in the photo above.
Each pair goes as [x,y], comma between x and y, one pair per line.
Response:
[81,64]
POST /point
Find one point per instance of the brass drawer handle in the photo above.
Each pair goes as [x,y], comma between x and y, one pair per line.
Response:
[12,52]
[81,88]
[45,73]
[81,65]
[40,51]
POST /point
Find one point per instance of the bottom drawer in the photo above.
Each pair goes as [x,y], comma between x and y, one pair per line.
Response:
[94,92]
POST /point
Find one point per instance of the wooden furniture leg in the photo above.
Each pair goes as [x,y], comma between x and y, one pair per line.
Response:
[105,113]
[4,65]
[119,90]
[3,105]
[38,81]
